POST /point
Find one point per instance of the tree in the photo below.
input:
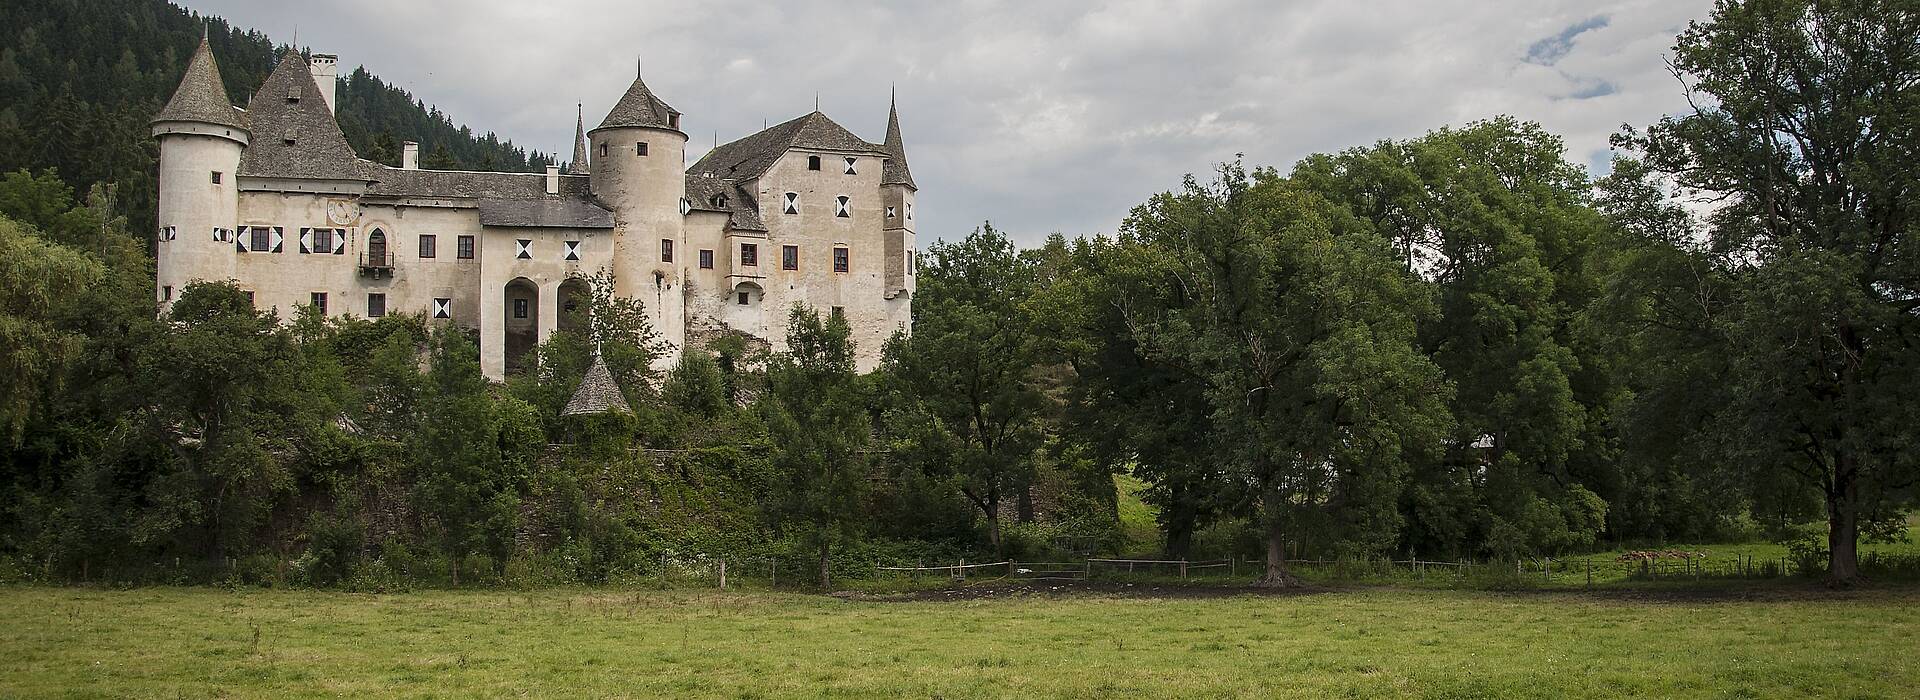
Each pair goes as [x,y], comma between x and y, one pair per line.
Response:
[474,453]
[815,412]
[1300,325]
[1806,140]
[968,401]
[34,348]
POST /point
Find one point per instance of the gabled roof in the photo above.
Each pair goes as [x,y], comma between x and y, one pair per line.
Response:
[201,96]
[895,172]
[705,193]
[639,107]
[579,164]
[750,157]
[294,134]
[544,213]
[598,393]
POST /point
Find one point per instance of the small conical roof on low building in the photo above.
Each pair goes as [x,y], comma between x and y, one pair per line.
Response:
[597,394]
[202,97]
[579,164]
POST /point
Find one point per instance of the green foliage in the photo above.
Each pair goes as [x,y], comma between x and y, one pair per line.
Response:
[816,418]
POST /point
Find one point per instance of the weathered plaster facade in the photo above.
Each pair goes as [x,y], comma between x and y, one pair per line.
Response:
[273,198]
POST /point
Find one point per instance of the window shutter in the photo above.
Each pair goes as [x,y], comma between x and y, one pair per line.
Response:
[340,241]
[241,237]
[306,240]
[278,238]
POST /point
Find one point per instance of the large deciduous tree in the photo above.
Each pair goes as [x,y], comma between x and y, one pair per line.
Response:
[816,417]
[1805,131]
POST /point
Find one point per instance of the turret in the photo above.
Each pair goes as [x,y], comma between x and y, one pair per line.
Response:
[638,161]
[580,158]
[201,138]
[897,192]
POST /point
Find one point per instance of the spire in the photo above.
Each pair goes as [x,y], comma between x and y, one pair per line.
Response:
[896,172]
[597,393]
[579,164]
[202,97]
[639,107]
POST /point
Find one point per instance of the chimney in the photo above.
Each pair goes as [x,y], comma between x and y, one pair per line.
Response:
[553,179]
[409,155]
[324,73]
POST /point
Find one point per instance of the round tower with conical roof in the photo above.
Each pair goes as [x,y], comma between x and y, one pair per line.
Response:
[201,138]
[638,172]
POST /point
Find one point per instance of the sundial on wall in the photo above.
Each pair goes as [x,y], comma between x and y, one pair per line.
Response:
[341,212]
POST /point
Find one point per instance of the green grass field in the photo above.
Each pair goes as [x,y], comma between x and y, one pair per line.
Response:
[179,642]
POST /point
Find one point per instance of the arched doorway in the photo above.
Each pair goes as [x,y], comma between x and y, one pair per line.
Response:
[575,299]
[522,322]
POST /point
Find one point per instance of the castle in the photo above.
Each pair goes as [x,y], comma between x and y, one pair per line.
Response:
[273,198]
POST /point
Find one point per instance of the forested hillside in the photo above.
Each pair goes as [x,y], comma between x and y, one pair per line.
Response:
[80,79]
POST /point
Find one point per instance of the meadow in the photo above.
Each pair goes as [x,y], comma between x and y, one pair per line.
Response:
[1766,641]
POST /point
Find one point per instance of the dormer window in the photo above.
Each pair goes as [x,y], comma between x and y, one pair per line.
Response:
[719,201]
[290,136]
[793,203]
[850,162]
[673,121]
[843,207]
[293,94]
[813,162]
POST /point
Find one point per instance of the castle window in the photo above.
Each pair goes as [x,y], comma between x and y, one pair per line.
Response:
[376,305]
[840,260]
[262,238]
[910,262]
[673,121]
[323,240]
[519,308]
[909,211]
[442,307]
[166,292]
[216,177]
[318,300]
[844,207]
[666,250]
[840,311]
[789,257]
[640,148]
[429,245]
[463,247]
[603,150]
[891,212]
[523,248]
[744,298]
[706,259]
[793,203]
[168,233]
[813,162]
[749,255]
[573,251]
[850,162]
[249,294]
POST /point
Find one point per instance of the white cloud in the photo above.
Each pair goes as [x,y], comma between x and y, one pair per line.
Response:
[1040,116]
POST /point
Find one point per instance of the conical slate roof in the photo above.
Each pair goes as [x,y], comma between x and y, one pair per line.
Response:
[294,134]
[750,157]
[597,393]
[579,164]
[201,96]
[639,107]
[896,172]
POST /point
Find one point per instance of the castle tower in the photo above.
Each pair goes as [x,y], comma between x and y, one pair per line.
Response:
[580,158]
[201,138]
[896,192]
[638,172]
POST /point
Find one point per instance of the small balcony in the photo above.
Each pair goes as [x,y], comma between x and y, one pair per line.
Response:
[376,265]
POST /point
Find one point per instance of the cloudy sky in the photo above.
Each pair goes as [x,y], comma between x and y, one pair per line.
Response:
[1038,116]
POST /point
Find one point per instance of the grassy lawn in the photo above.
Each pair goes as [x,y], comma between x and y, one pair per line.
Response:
[182,642]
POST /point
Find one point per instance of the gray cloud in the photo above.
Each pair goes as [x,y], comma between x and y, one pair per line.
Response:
[1041,117]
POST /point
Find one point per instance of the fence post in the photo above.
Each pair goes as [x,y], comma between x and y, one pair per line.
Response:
[961,571]
[1009,568]
[723,574]
[1233,565]
[1183,569]
[773,575]
[1589,572]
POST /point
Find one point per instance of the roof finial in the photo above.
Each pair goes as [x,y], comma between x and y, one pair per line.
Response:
[816,100]
[639,66]
[206,29]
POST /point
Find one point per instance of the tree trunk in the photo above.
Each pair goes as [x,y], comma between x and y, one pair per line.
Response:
[1024,506]
[993,530]
[826,565]
[1843,526]
[1276,574]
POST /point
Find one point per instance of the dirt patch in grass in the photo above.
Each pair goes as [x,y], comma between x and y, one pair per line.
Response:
[1001,588]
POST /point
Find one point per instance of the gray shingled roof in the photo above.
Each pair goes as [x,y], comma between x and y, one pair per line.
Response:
[294,134]
[597,393]
[895,172]
[750,157]
[579,166]
[201,96]
[743,211]
[546,213]
[639,107]
[398,182]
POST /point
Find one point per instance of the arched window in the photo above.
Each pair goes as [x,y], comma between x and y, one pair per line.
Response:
[377,247]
